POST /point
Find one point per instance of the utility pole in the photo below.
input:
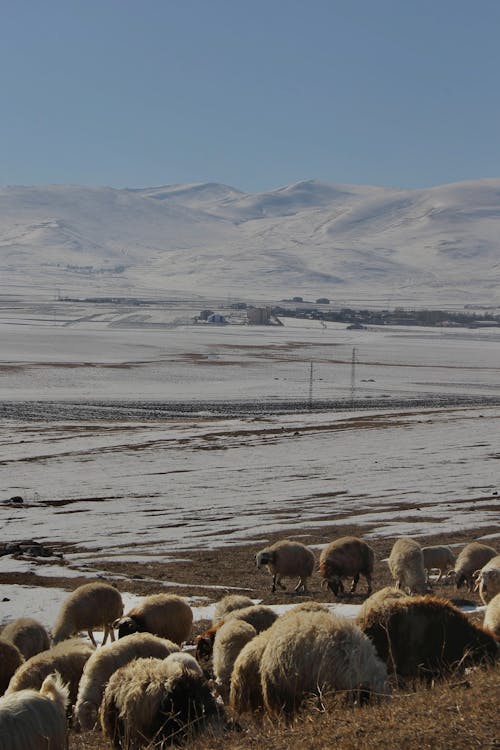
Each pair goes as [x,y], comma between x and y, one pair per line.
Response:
[353,375]
[311,385]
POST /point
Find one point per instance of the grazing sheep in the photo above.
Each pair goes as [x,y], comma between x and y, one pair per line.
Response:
[165,615]
[315,652]
[89,606]
[185,661]
[246,689]
[424,636]
[473,557]
[228,604]
[28,635]
[230,639]
[406,564]
[438,557]
[347,556]
[107,660]
[68,658]
[10,660]
[151,702]
[31,720]
[492,616]
[378,599]
[286,558]
[488,580]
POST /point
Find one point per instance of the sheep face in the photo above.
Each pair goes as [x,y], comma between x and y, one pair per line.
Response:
[335,585]
[87,715]
[264,558]
[126,626]
[460,580]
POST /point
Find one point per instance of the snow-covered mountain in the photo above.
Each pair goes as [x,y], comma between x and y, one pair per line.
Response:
[312,239]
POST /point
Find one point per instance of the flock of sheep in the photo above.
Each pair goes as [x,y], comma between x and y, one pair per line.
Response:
[143,688]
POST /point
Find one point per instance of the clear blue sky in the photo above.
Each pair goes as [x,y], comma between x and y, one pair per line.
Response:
[253,93]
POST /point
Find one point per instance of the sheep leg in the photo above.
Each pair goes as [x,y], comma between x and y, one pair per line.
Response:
[369,582]
[354,583]
[91,636]
[302,584]
[277,582]
[440,575]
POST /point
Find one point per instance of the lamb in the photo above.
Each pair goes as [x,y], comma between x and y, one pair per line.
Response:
[107,660]
[488,580]
[228,604]
[492,616]
[231,638]
[438,557]
[165,615]
[286,558]
[246,689]
[473,557]
[425,637]
[10,660]
[314,652]
[89,606]
[67,658]
[28,635]
[150,701]
[347,556]
[31,720]
[406,564]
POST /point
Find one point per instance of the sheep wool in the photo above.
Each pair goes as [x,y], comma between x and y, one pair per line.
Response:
[258,616]
[10,661]
[488,580]
[165,615]
[229,641]
[89,606]
[406,564]
[346,557]
[492,616]
[438,557]
[228,604]
[28,635]
[474,556]
[246,689]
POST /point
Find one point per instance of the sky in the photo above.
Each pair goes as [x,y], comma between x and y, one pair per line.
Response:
[256,95]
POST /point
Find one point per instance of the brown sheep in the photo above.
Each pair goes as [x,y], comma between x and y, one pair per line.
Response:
[165,615]
[473,557]
[286,558]
[346,557]
[28,635]
[87,607]
[424,636]
[10,660]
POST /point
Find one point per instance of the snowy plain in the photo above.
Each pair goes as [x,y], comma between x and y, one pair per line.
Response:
[135,490]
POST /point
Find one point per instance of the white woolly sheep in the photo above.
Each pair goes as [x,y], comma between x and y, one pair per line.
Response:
[229,641]
[492,616]
[426,637]
[228,604]
[246,689]
[28,635]
[67,658]
[31,720]
[406,564]
[287,558]
[258,615]
[377,600]
[346,557]
[149,701]
[10,660]
[315,652]
[473,557]
[184,660]
[438,557]
[107,660]
[488,580]
[89,606]
[165,615]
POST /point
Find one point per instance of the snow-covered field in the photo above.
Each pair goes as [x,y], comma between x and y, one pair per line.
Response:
[137,490]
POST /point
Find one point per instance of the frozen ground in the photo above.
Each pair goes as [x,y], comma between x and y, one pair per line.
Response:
[126,489]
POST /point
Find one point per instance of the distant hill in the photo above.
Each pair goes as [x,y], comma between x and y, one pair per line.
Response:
[312,239]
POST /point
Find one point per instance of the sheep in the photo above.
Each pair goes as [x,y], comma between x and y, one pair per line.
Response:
[246,690]
[314,652]
[31,720]
[378,599]
[425,637]
[28,635]
[165,615]
[492,616]
[286,558]
[89,606]
[228,604]
[439,557]
[231,638]
[185,661]
[473,557]
[406,564]
[488,580]
[152,702]
[347,556]
[10,660]
[107,660]
[68,658]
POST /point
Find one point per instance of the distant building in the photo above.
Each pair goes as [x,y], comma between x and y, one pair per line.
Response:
[323,301]
[259,316]
[216,318]
[205,314]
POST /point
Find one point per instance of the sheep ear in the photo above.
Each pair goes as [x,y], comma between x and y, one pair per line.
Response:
[117,623]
